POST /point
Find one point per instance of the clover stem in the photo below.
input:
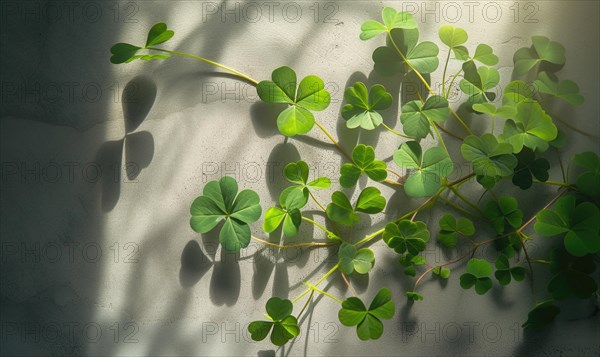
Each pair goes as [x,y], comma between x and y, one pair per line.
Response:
[555,183]
[521,235]
[562,167]
[318,225]
[393,182]
[466,200]
[370,236]
[335,267]
[306,304]
[316,201]
[334,141]
[457,207]
[532,219]
[396,132]
[439,136]
[395,173]
[540,261]
[449,132]
[450,262]
[425,82]
[591,136]
[452,83]
[348,283]
[312,287]
[460,180]
[183,54]
[445,69]
[300,245]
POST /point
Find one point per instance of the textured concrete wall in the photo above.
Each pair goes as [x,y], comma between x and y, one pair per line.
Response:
[100,164]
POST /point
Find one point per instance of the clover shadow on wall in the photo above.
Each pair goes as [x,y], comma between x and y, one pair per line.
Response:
[138,98]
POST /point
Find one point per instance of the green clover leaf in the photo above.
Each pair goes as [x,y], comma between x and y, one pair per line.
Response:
[504,211]
[566,90]
[542,50]
[528,167]
[572,275]
[587,181]
[579,223]
[362,107]
[406,236]
[531,127]
[452,36]
[443,273]
[364,162]
[417,117]
[125,52]
[488,157]
[422,56]
[291,218]
[478,272]
[391,20]
[410,263]
[478,82]
[221,202]
[414,296]
[504,112]
[429,168]
[284,325]
[541,315]
[450,228]
[310,95]
[504,271]
[340,209]
[367,321]
[297,173]
[370,201]
[485,54]
[353,260]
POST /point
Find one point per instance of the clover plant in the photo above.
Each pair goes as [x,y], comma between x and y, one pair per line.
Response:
[520,145]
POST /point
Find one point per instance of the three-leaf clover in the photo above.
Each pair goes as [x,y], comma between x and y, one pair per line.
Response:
[410,263]
[284,326]
[406,236]
[297,173]
[504,211]
[392,19]
[443,273]
[369,326]
[528,167]
[353,260]
[221,202]
[587,181]
[363,158]
[572,275]
[478,272]
[504,271]
[489,158]
[580,224]
[531,127]
[362,106]
[125,52]
[542,50]
[541,315]
[289,214]
[478,82]
[310,95]
[417,117]
[429,168]
[423,56]
[340,209]
[567,90]
[451,227]
[454,37]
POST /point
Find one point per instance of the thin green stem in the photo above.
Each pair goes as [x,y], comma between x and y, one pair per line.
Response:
[334,141]
[391,182]
[318,225]
[445,69]
[457,137]
[532,219]
[292,246]
[457,207]
[312,287]
[306,304]
[396,132]
[439,136]
[452,82]
[466,200]
[183,54]
[335,267]
[554,183]
[316,201]
[562,167]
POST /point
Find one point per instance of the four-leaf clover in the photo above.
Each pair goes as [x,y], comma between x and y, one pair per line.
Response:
[221,202]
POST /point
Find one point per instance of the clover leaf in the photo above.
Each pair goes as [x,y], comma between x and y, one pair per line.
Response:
[367,321]
[443,273]
[450,228]
[579,223]
[542,50]
[289,214]
[297,173]
[391,20]
[528,167]
[477,83]
[364,162]
[541,315]
[406,236]
[504,271]
[417,117]
[572,275]
[567,90]
[587,182]
[488,157]
[452,36]
[362,106]
[221,202]
[422,56]
[310,95]
[340,209]
[429,168]
[410,263]
[517,92]
[353,260]
[485,54]
[503,112]
[478,272]
[504,211]
[531,127]
[414,296]
[125,52]
[284,326]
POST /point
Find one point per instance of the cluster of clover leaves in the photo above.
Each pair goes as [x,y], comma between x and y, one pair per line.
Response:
[517,149]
